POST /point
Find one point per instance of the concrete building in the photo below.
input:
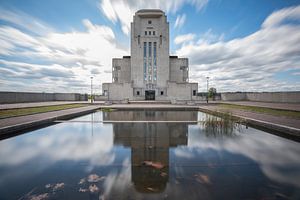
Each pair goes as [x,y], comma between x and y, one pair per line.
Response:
[150,73]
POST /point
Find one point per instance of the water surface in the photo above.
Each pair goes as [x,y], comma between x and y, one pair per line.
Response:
[117,155]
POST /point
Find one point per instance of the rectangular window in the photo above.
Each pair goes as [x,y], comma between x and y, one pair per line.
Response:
[149,61]
[154,61]
[145,32]
[149,22]
[137,93]
[161,92]
[150,50]
[145,61]
[194,92]
[149,32]
[153,32]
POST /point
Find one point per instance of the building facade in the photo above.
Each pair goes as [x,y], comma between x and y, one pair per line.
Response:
[150,73]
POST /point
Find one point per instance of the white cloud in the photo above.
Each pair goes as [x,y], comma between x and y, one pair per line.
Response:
[55,61]
[122,11]
[184,38]
[278,17]
[210,37]
[24,21]
[180,20]
[249,63]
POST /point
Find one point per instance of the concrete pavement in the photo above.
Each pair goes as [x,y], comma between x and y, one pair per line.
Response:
[21,123]
[286,125]
[280,106]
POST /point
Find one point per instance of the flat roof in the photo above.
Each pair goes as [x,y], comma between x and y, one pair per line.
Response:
[149,10]
[150,13]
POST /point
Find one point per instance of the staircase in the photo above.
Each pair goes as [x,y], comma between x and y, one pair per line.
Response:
[149,102]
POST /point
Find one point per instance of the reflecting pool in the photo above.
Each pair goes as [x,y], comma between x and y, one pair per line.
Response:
[148,155]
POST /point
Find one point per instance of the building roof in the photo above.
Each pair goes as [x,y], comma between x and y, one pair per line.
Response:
[149,13]
[149,10]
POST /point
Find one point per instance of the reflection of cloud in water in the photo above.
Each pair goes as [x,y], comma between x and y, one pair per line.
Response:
[183,153]
[118,181]
[61,142]
[272,153]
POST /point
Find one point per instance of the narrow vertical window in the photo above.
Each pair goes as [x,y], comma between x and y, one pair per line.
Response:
[154,61]
[150,50]
[145,61]
[149,32]
[150,61]
[153,32]
[139,39]
[160,39]
[145,32]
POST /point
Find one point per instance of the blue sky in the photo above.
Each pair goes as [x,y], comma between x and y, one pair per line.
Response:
[55,45]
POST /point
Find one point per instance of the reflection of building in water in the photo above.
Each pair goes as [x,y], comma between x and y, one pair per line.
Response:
[149,142]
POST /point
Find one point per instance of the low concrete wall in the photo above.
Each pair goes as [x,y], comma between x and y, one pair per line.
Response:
[23,97]
[236,96]
[279,97]
[100,98]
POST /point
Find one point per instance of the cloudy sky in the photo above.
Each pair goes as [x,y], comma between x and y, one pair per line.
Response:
[57,45]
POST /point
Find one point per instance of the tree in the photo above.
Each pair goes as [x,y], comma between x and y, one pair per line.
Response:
[211,92]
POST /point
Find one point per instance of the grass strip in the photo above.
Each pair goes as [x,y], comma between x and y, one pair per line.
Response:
[270,111]
[34,110]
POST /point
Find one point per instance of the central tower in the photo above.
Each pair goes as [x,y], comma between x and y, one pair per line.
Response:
[150,50]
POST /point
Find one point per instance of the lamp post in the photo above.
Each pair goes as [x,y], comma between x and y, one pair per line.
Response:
[207,79]
[91,89]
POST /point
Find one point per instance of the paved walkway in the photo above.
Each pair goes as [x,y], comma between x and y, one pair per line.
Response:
[13,124]
[282,106]
[281,120]
[286,125]
[152,106]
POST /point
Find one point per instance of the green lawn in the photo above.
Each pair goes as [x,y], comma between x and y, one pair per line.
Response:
[275,112]
[28,111]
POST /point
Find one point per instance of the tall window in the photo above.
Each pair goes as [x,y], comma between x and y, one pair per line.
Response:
[145,61]
[154,62]
[150,61]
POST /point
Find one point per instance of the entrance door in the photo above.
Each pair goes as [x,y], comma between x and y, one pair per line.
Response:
[150,94]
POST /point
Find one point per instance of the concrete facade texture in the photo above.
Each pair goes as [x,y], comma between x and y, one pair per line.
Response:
[150,70]
[23,97]
[280,97]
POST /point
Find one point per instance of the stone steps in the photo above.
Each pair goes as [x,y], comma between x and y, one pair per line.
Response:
[149,102]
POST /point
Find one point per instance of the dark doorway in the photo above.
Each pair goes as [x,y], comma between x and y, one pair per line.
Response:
[150,95]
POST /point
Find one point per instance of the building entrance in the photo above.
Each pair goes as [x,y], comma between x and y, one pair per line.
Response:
[150,95]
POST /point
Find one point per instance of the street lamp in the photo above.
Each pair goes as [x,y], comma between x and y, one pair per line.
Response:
[91,89]
[207,79]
